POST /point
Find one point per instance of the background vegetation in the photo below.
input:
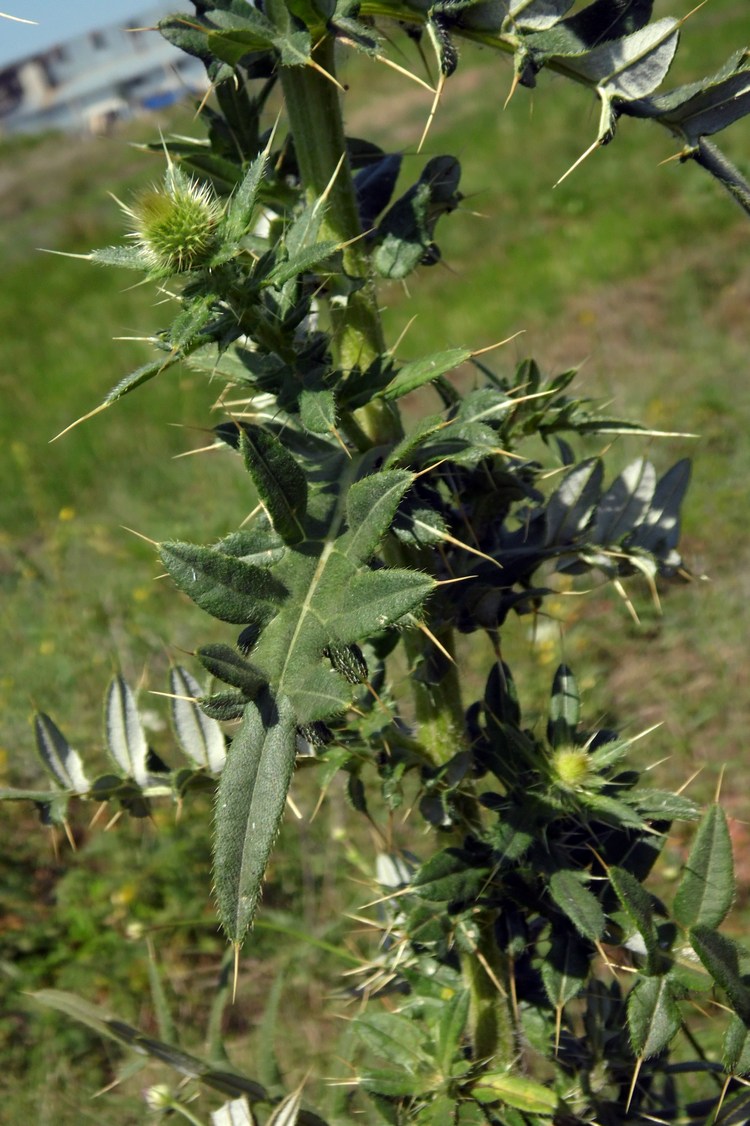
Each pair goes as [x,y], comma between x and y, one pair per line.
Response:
[78,595]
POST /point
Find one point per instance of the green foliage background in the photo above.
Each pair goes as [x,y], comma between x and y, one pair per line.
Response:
[653,295]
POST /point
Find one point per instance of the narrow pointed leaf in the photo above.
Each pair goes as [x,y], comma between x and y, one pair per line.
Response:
[565,969]
[226,664]
[516,1091]
[239,212]
[625,503]
[287,1112]
[234,1113]
[536,15]
[102,1022]
[632,66]
[425,370]
[317,411]
[636,903]
[578,903]
[225,587]
[249,808]
[279,480]
[570,507]
[370,507]
[735,1055]
[393,1037]
[654,1017]
[706,890]
[126,738]
[200,737]
[721,957]
[139,376]
[564,708]
[304,262]
[58,756]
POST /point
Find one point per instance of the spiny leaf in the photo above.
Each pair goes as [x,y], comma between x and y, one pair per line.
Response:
[721,957]
[578,903]
[249,807]
[570,507]
[317,411]
[226,664]
[564,708]
[279,480]
[200,737]
[425,370]
[537,15]
[654,1017]
[102,1022]
[448,876]
[240,209]
[517,1091]
[225,587]
[58,756]
[625,502]
[636,903]
[234,1113]
[395,1038]
[706,890]
[140,376]
[126,739]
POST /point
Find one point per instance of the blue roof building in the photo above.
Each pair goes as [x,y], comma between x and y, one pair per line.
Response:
[110,73]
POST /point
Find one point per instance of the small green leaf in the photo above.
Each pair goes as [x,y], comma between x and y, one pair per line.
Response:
[735,1055]
[654,1017]
[224,663]
[227,588]
[424,370]
[564,969]
[279,480]
[636,903]
[578,903]
[58,756]
[139,376]
[706,890]
[126,739]
[239,213]
[395,1038]
[304,262]
[249,807]
[451,1030]
[102,1022]
[516,1091]
[450,876]
[721,957]
[371,504]
[317,411]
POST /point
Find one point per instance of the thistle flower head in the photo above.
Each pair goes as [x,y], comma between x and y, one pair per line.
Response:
[175,225]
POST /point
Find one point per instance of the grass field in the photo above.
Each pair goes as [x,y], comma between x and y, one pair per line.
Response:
[636,270]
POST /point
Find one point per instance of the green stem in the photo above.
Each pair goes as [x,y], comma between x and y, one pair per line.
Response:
[491,1024]
[438,707]
[314,112]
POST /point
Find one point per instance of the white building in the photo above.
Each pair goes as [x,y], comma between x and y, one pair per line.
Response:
[85,83]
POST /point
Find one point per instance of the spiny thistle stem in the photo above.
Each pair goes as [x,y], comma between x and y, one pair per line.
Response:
[314,112]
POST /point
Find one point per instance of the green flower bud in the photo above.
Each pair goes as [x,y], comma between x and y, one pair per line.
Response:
[571,767]
[175,225]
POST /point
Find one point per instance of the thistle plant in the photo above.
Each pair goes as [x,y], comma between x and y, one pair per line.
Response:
[527,975]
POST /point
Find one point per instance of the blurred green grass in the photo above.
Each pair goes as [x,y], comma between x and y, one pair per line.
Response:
[637,271]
